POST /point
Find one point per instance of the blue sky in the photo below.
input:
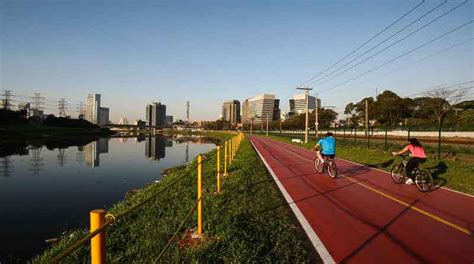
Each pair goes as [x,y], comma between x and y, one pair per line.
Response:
[135,52]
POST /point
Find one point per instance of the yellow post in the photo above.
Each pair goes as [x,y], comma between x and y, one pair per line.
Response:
[97,218]
[199,194]
[225,158]
[218,169]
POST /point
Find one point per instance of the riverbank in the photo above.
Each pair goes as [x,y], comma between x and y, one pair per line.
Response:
[32,131]
[450,172]
[248,222]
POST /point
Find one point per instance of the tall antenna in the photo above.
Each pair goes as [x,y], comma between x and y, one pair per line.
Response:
[187,111]
[62,106]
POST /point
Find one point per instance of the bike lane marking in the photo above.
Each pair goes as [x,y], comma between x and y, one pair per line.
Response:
[315,240]
[388,196]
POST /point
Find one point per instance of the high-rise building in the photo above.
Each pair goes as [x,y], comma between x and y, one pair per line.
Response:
[298,104]
[231,111]
[94,112]
[156,115]
[103,116]
[262,107]
[93,108]
[169,120]
[245,112]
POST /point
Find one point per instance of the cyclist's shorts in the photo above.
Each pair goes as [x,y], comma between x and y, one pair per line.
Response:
[329,156]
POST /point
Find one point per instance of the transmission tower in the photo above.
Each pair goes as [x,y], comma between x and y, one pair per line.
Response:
[187,111]
[38,101]
[62,106]
[7,99]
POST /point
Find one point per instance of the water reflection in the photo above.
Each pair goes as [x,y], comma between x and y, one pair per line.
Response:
[57,182]
[93,150]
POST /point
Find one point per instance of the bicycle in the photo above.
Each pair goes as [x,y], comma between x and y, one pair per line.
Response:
[423,179]
[329,164]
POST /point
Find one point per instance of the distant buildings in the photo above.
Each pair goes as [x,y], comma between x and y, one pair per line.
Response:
[156,115]
[169,121]
[260,108]
[94,112]
[123,121]
[231,111]
[298,104]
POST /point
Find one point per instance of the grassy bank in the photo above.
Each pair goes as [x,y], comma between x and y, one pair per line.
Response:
[248,222]
[450,172]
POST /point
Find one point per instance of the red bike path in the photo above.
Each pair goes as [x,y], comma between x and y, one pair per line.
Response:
[362,216]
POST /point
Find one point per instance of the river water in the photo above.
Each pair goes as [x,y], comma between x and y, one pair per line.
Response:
[51,187]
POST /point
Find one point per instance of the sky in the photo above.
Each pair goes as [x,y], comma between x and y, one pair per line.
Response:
[206,52]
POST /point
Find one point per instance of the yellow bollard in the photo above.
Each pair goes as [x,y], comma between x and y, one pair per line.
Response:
[225,158]
[218,170]
[97,218]
[199,195]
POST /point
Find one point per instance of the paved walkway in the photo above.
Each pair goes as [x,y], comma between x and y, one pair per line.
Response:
[362,216]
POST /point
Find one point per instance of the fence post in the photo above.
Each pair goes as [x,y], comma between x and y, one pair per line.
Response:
[225,158]
[97,219]
[368,138]
[439,142]
[385,144]
[355,135]
[408,133]
[199,195]
[344,134]
[218,169]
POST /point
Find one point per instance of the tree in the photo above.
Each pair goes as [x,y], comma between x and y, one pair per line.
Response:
[437,106]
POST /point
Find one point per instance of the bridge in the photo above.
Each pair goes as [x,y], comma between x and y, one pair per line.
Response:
[363,217]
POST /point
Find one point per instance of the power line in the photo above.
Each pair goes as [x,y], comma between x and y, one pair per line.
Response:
[380,43]
[365,43]
[400,56]
[444,87]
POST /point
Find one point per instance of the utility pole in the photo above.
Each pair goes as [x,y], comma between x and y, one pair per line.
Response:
[81,110]
[267,124]
[367,118]
[306,132]
[316,119]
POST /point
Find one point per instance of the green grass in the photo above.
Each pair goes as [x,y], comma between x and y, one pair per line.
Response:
[451,173]
[248,222]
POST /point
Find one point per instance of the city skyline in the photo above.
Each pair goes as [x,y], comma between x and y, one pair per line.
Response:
[133,54]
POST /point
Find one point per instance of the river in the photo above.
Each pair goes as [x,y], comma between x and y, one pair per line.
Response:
[49,187]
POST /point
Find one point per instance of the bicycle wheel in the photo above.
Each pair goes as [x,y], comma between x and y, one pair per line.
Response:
[318,165]
[332,169]
[398,174]
[423,181]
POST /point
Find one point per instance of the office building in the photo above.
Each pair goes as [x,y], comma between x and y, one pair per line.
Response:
[156,115]
[231,111]
[93,150]
[298,104]
[103,116]
[260,108]
[94,112]
[169,121]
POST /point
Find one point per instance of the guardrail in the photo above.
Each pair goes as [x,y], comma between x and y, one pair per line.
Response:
[100,219]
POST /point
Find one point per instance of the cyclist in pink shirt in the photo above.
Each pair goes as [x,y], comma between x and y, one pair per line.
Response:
[418,156]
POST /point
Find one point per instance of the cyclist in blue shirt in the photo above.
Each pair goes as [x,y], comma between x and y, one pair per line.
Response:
[328,145]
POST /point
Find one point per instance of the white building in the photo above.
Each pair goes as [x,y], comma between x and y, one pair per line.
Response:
[94,112]
[298,104]
[261,107]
